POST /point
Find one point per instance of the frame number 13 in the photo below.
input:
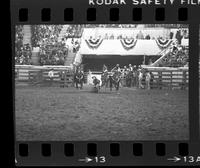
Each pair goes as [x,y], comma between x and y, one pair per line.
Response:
[100,159]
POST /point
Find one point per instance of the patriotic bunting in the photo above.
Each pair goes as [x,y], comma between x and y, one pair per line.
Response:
[162,44]
[128,43]
[94,43]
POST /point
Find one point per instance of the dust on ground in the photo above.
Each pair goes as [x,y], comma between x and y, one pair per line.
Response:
[68,114]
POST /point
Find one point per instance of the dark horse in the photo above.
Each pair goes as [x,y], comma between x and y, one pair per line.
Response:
[111,78]
[79,79]
[129,78]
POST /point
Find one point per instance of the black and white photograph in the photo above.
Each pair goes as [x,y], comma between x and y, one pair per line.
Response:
[101,82]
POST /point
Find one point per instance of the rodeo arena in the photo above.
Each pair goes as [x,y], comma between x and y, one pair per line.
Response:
[101,82]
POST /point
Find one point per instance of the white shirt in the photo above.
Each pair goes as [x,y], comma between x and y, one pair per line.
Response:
[148,77]
[118,69]
[140,75]
[50,74]
[131,68]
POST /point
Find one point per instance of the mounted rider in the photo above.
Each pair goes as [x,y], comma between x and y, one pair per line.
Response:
[129,77]
[105,69]
[79,78]
[104,76]
[124,73]
[116,69]
[116,77]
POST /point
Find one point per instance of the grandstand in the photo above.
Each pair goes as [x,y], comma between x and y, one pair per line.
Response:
[60,44]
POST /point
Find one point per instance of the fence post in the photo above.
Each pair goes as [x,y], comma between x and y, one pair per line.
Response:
[17,75]
[171,78]
[29,78]
[160,79]
[64,82]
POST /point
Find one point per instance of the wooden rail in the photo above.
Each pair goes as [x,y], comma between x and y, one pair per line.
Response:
[169,78]
[39,76]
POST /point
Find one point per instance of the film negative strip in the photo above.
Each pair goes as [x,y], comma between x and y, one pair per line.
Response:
[106,82]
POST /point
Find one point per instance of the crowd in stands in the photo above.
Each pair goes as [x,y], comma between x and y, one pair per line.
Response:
[74,31]
[22,51]
[75,45]
[179,35]
[169,26]
[110,26]
[135,25]
[178,57]
[52,54]
[51,51]
[23,54]
[45,34]
[19,36]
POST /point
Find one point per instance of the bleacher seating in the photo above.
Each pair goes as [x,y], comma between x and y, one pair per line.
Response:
[53,54]
[176,58]
[22,51]
[53,49]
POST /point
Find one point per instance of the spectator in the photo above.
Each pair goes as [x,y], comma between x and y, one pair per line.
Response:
[171,35]
[147,37]
[179,36]
[140,35]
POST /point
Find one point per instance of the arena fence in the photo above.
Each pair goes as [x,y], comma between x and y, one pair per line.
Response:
[170,78]
[163,77]
[38,75]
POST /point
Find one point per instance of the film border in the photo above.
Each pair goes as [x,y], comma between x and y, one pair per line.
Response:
[125,16]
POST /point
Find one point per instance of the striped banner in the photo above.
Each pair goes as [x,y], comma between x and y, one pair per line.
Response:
[163,43]
[128,43]
[94,43]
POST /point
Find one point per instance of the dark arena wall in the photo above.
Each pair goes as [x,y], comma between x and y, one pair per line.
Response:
[95,62]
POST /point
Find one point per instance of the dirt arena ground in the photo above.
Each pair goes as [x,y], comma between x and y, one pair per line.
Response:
[65,114]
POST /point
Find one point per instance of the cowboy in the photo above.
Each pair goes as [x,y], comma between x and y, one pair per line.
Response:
[96,83]
[51,75]
[116,69]
[134,76]
[105,69]
[148,79]
[130,67]
[130,76]
[140,78]
[124,73]
[79,77]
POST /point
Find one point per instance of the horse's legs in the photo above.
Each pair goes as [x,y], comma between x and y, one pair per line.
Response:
[111,85]
[103,84]
[117,84]
[81,83]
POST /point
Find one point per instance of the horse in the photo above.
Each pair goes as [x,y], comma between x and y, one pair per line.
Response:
[79,79]
[129,78]
[111,78]
[115,80]
[105,79]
